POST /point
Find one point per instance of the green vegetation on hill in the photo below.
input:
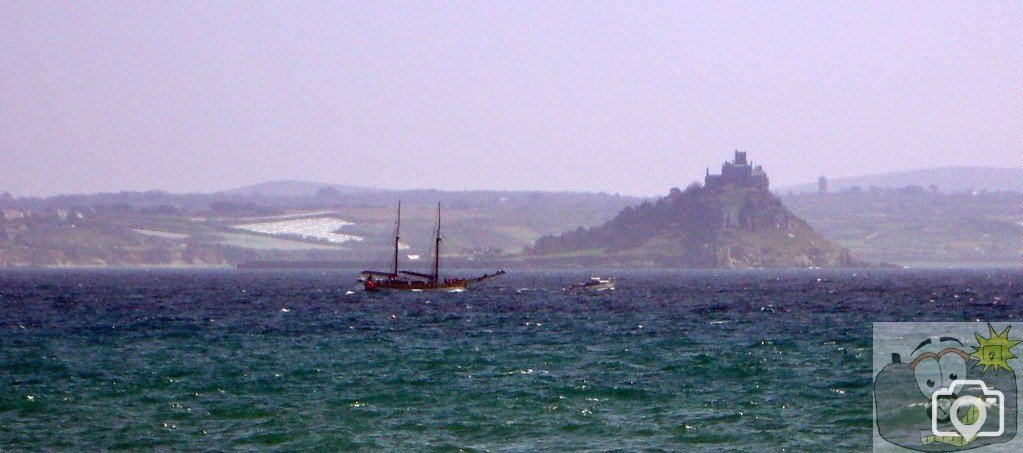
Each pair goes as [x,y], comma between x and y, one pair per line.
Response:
[912,226]
[155,228]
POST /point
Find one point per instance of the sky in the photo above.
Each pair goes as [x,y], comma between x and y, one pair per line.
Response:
[622,97]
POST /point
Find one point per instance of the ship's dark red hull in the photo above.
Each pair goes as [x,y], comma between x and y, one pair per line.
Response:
[412,285]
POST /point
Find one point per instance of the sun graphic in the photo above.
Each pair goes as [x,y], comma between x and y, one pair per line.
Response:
[994,352]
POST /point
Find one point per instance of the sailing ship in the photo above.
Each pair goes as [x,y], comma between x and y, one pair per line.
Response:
[402,280]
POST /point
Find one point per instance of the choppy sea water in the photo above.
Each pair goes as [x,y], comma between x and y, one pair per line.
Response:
[687,360]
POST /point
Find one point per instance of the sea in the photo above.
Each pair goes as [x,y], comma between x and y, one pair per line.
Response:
[174,359]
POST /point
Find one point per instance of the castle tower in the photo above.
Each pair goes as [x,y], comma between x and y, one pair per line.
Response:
[740,158]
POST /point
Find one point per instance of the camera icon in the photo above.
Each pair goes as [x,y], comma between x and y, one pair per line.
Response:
[950,400]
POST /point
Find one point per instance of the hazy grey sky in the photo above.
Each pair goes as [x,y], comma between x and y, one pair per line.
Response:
[630,97]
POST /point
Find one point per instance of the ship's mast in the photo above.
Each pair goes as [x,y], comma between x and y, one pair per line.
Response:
[397,234]
[436,249]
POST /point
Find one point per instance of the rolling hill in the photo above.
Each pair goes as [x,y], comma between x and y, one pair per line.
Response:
[946,180]
[294,189]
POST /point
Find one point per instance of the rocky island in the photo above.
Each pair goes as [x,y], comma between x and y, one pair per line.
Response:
[732,220]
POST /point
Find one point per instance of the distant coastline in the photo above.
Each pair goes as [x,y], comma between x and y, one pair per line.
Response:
[510,266]
[911,225]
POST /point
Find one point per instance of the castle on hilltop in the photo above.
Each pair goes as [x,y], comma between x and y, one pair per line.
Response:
[739,173]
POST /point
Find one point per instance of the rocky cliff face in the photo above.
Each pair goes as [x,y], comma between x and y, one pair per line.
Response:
[726,227]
